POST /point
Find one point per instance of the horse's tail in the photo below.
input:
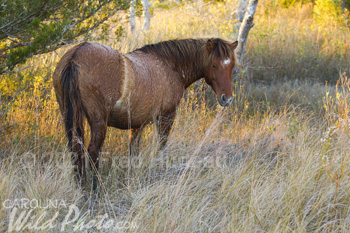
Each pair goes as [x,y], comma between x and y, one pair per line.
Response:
[72,106]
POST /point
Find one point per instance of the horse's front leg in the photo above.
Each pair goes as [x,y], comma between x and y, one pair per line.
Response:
[164,125]
[134,140]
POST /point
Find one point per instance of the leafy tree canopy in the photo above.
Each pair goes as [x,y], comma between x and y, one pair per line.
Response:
[31,27]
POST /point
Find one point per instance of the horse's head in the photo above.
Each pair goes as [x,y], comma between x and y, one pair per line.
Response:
[219,60]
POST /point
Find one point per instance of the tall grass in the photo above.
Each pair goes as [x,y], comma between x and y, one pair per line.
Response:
[277,160]
[290,44]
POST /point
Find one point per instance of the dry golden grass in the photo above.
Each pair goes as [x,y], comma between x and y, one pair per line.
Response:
[277,160]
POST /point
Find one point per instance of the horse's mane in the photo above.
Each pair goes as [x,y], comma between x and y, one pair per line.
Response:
[187,51]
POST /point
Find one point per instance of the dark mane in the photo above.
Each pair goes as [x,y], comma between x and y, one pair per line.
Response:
[176,51]
[182,52]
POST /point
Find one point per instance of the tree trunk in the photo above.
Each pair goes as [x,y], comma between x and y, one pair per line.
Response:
[132,16]
[242,6]
[245,26]
[146,7]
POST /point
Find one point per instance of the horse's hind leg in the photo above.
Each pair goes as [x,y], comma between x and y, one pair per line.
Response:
[164,125]
[75,137]
[98,134]
[76,145]
[78,156]
[134,140]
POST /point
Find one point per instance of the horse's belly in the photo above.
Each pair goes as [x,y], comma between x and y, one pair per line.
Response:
[126,116]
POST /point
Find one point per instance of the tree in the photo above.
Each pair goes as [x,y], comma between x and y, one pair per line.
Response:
[31,27]
[245,17]
[137,7]
[132,16]
[147,24]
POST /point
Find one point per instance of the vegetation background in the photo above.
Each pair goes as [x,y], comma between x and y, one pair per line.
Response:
[277,160]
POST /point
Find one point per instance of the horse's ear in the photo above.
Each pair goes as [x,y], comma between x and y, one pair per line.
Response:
[234,45]
[211,45]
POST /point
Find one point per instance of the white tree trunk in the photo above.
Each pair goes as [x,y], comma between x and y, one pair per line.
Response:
[132,16]
[244,28]
[146,6]
[242,6]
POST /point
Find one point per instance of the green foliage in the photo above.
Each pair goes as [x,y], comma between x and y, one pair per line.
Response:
[30,27]
[138,8]
[288,3]
[330,12]
[119,32]
[213,1]
[163,5]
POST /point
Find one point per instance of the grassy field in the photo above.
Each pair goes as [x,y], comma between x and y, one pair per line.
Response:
[277,160]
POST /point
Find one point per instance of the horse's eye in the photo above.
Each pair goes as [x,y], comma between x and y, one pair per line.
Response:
[213,66]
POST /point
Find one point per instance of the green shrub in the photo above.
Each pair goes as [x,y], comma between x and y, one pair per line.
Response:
[330,12]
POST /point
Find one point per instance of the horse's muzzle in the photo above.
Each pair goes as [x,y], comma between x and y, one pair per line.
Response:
[223,101]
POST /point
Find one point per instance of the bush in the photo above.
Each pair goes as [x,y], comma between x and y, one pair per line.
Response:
[330,12]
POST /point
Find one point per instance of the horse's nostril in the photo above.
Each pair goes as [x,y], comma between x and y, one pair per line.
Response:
[223,98]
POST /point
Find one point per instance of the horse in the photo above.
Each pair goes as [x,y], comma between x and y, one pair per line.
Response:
[128,91]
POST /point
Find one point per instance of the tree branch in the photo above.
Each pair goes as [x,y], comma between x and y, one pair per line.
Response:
[54,44]
[20,21]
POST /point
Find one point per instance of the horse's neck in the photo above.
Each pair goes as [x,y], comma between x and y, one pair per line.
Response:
[189,67]
[190,71]
[190,76]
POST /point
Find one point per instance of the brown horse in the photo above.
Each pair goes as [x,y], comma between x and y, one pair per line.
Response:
[128,91]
